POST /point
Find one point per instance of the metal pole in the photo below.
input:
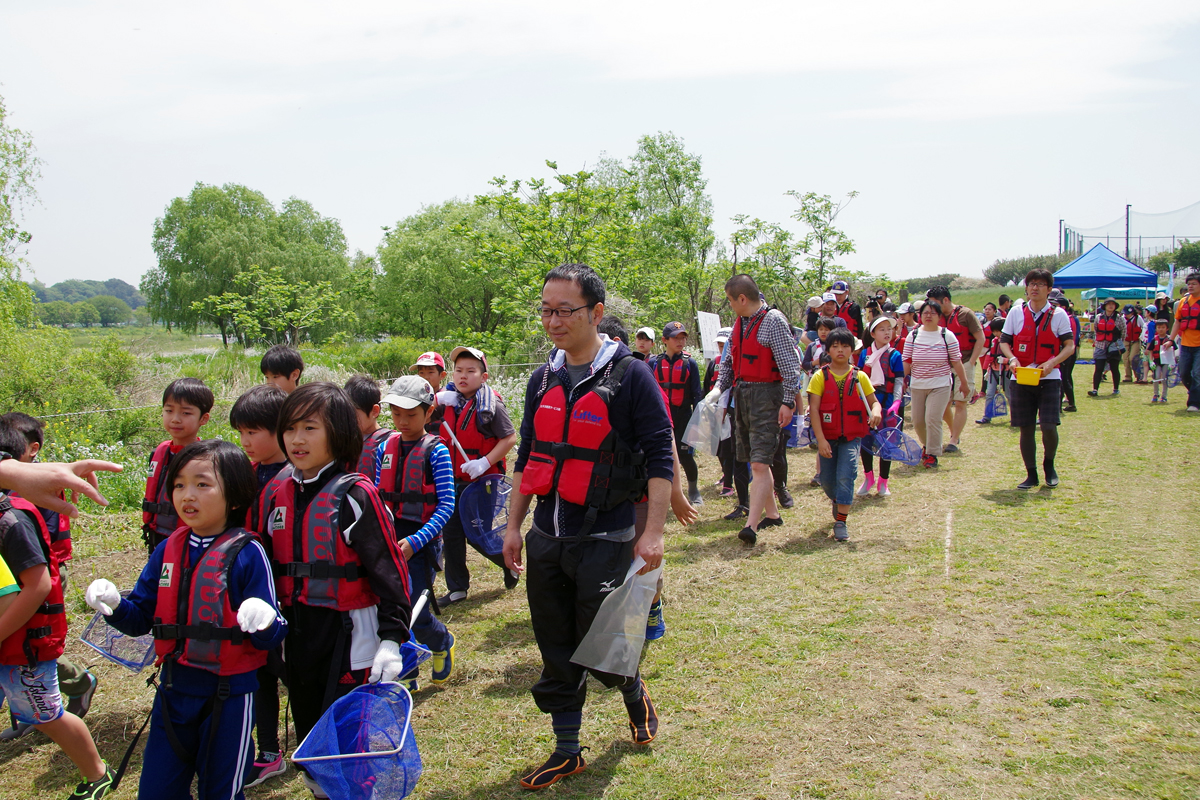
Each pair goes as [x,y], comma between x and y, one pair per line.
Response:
[1127,232]
[1060,239]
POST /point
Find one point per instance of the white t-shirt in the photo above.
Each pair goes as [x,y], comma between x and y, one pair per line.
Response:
[930,355]
[1060,325]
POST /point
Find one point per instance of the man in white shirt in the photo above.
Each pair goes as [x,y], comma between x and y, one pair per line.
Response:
[1038,334]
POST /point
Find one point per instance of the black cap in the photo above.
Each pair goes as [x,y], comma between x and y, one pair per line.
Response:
[673,329]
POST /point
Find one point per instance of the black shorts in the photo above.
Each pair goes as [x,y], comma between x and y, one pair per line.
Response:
[1028,405]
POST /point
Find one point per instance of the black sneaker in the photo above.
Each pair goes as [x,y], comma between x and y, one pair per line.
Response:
[737,513]
[1030,482]
[769,522]
[557,767]
[449,598]
[1070,408]
[1093,393]
[643,719]
[511,579]
[265,766]
[950,448]
[94,790]
[79,704]
[785,497]
[984,421]
[748,535]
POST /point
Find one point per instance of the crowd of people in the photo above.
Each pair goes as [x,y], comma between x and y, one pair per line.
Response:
[305,558]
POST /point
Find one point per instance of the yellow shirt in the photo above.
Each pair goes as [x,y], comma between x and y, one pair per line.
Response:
[1187,338]
[817,384]
[8,584]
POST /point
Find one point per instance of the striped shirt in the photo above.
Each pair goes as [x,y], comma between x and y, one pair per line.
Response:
[443,481]
[775,332]
[930,355]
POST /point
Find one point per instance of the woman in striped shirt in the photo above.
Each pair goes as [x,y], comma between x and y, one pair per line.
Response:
[930,356]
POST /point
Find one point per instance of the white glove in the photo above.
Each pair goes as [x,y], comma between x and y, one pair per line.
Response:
[447,398]
[712,397]
[476,467]
[388,663]
[255,615]
[103,596]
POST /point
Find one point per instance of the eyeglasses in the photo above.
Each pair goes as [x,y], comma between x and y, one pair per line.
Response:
[563,313]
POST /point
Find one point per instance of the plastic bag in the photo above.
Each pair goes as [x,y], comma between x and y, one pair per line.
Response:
[614,642]
[707,427]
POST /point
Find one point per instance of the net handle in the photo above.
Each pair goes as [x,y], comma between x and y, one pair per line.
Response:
[378,754]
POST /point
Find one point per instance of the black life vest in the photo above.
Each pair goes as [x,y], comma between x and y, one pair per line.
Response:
[576,450]
[417,498]
[194,622]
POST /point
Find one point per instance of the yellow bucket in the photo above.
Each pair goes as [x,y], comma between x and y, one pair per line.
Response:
[1029,376]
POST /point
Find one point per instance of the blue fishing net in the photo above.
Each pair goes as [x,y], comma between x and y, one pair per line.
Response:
[483,509]
[896,445]
[997,406]
[362,747]
[871,443]
[132,652]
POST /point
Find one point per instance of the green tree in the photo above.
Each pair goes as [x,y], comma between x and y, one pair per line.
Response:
[268,306]
[1185,257]
[112,310]
[823,243]
[19,170]
[206,240]
[86,313]
[1004,271]
[58,313]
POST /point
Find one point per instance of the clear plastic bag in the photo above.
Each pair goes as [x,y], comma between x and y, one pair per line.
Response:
[707,427]
[614,642]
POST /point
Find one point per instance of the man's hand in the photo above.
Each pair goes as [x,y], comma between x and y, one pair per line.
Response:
[41,484]
[785,415]
[1047,368]
[650,547]
[514,544]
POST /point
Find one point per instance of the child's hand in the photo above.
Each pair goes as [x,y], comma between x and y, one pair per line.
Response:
[876,419]
[447,398]
[894,408]
[255,615]
[103,596]
[824,449]
[387,664]
[476,467]
[406,549]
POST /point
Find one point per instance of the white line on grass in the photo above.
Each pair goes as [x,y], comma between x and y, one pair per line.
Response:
[949,533]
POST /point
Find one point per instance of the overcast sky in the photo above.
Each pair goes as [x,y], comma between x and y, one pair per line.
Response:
[968,129]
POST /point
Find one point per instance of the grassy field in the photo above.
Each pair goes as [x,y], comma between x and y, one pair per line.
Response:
[969,641]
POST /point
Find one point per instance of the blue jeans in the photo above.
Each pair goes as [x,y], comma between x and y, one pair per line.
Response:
[1189,373]
[839,473]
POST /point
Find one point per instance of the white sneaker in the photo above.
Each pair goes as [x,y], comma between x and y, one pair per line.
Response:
[1193,409]
[313,786]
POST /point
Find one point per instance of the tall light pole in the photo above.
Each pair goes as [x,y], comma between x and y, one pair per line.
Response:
[1126,231]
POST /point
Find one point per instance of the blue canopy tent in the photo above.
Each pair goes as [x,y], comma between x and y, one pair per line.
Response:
[1102,267]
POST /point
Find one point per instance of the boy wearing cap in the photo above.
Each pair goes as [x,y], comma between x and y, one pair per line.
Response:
[847,309]
[1132,357]
[679,377]
[643,344]
[416,482]
[432,367]
[479,434]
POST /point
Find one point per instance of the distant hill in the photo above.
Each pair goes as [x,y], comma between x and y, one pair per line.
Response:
[74,291]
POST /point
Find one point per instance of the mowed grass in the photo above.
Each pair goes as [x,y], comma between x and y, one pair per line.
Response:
[969,641]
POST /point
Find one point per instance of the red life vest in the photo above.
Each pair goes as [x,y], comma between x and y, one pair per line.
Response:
[966,339]
[1189,314]
[1036,343]
[159,519]
[1154,346]
[465,424]
[672,377]
[885,362]
[577,452]
[312,562]
[843,311]
[60,537]
[194,622]
[43,636]
[257,515]
[753,362]
[1133,329]
[1106,328]
[417,497]
[844,413]
[366,461]
[899,340]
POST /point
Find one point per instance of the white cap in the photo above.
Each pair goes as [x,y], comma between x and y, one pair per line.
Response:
[646,332]
[828,298]
[814,301]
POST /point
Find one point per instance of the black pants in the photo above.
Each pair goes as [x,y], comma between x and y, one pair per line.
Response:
[1067,370]
[1113,360]
[564,580]
[454,549]
[740,469]
[725,456]
[309,653]
[779,467]
[680,417]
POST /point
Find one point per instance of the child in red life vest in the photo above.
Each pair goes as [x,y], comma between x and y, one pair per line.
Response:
[884,367]
[363,391]
[417,483]
[815,357]
[1160,350]
[33,630]
[207,596]
[186,403]
[844,408]
[432,367]
[340,577]
[282,367]
[254,416]
[75,682]
[678,375]
[992,363]
[476,420]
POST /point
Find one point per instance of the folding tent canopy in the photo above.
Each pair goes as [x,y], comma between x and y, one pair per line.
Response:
[1102,267]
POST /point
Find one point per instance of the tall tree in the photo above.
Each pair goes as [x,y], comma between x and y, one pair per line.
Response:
[19,169]
[823,243]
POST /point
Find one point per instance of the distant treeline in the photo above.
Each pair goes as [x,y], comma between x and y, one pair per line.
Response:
[75,291]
